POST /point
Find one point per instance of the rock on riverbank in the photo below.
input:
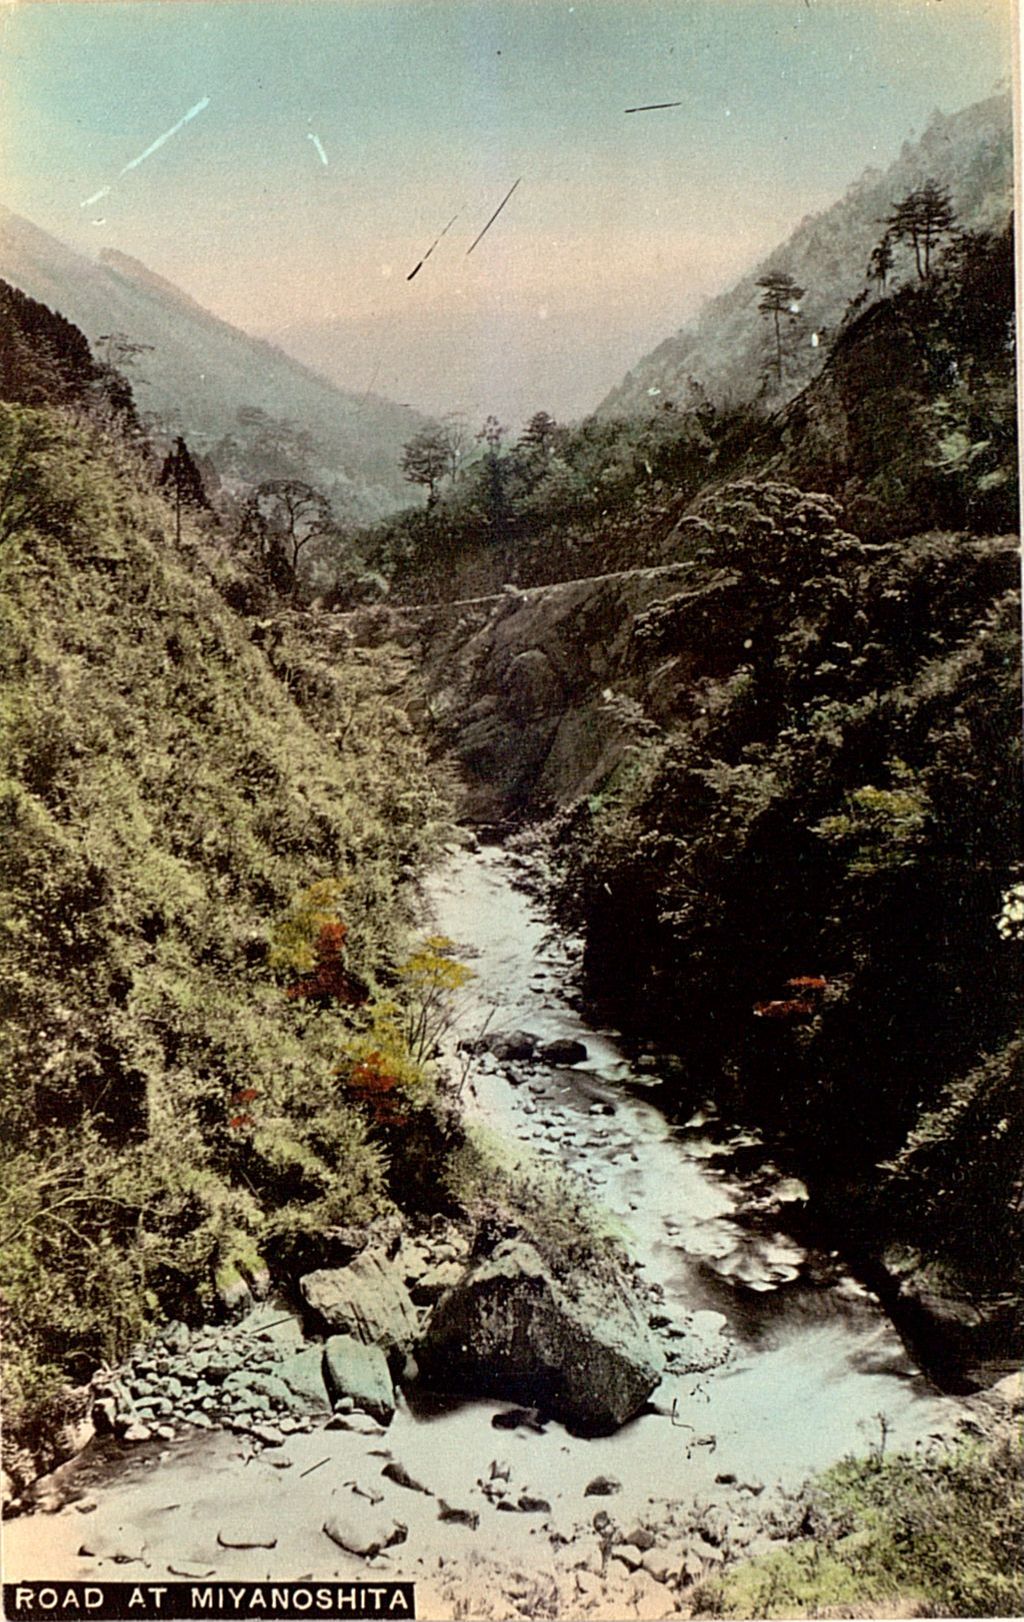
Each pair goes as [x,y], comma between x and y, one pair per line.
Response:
[578,1349]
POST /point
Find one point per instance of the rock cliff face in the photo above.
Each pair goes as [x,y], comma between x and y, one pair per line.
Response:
[541,694]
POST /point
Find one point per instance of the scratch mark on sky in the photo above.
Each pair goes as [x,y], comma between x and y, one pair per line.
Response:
[430,250]
[319,146]
[193,112]
[493,217]
[87,202]
[653,106]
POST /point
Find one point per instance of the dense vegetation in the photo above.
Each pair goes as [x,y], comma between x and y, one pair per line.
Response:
[911,424]
[807,879]
[801,883]
[219,1028]
[207,848]
[561,501]
[937,1534]
[805,876]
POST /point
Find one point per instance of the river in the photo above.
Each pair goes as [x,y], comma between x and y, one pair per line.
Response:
[797,1363]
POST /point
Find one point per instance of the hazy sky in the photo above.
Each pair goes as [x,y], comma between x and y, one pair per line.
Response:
[428,108]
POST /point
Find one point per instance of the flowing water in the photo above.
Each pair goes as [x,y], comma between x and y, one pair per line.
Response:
[795,1363]
[814,1358]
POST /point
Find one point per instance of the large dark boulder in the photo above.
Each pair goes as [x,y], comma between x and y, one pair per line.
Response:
[507,1045]
[563,1050]
[579,1349]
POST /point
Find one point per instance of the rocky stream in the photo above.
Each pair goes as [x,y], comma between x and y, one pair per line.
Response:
[276,1447]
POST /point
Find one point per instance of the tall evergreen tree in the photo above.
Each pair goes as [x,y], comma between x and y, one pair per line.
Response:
[184,479]
[923,218]
[780,301]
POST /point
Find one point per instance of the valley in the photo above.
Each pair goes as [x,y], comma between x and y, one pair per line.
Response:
[512,1038]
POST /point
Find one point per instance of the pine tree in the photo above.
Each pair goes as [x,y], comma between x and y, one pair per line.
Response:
[181,473]
[923,218]
[781,298]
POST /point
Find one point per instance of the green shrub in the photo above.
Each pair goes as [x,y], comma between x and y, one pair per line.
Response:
[944,1527]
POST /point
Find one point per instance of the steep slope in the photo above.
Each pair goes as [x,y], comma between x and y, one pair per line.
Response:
[969,152]
[912,421]
[808,879]
[182,837]
[200,371]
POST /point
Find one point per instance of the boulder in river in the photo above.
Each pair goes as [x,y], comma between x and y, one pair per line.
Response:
[512,1045]
[563,1050]
[367,1299]
[302,1373]
[578,1349]
[354,1370]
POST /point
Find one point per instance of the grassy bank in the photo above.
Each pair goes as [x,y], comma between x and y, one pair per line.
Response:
[176,1102]
[932,1535]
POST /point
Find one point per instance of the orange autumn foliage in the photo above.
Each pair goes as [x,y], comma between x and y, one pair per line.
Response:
[329,980]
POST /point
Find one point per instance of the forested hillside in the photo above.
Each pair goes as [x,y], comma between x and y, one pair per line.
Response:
[207,854]
[807,873]
[787,769]
[726,355]
[910,424]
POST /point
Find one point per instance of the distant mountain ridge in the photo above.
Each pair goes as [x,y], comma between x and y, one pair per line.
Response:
[724,351]
[201,370]
[131,269]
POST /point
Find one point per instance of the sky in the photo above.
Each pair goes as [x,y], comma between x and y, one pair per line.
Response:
[320,146]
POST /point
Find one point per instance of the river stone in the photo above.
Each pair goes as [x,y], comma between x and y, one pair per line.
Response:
[579,1350]
[277,1327]
[395,1471]
[175,1336]
[629,1554]
[513,1045]
[646,1597]
[337,1246]
[564,1050]
[367,1299]
[245,1532]
[352,1369]
[304,1377]
[660,1565]
[460,1517]
[104,1415]
[435,1281]
[273,1387]
[1007,1392]
[269,1435]
[359,1527]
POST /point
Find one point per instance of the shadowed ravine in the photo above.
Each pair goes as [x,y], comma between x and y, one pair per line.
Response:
[779,1361]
